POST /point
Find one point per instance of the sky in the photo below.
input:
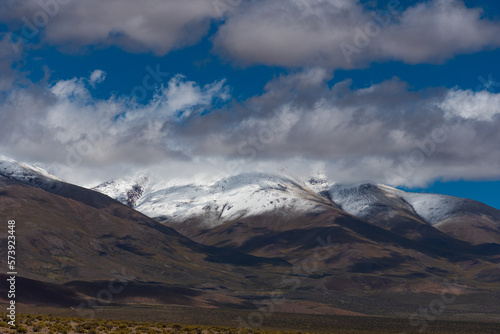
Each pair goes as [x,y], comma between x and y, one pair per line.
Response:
[405,93]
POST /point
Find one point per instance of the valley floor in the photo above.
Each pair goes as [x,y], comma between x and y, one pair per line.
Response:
[151,319]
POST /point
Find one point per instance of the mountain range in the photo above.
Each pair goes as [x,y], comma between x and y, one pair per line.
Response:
[330,248]
[208,205]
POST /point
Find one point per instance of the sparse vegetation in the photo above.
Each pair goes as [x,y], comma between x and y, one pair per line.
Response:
[49,324]
[67,325]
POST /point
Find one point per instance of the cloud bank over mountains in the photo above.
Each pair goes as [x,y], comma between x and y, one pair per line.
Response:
[386,132]
[351,133]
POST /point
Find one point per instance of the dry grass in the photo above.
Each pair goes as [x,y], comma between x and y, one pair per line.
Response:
[44,324]
[50,324]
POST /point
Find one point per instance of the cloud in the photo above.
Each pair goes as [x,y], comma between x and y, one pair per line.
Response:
[9,54]
[384,133]
[482,106]
[97,76]
[139,26]
[291,33]
[344,34]
[63,124]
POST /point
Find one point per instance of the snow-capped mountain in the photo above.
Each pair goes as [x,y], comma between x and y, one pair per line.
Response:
[387,207]
[365,200]
[253,194]
[319,183]
[27,174]
[227,199]
[212,203]
[126,191]
[267,216]
[246,244]
[231,198]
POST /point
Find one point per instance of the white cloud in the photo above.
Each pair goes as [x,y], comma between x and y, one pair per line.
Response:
[97,76]
[292,33]
[183,96]
[384,133]
[343,34]
[467,104]
[9,53]
[142,26]
[65,124]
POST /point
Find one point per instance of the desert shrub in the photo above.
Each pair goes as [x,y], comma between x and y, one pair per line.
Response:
[91,325]
[61,327]
[122,331]
[80,328]
[21,329]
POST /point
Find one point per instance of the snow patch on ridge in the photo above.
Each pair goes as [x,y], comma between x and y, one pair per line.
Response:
[23,172]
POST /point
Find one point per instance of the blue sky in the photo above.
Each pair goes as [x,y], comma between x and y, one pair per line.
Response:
[260,85]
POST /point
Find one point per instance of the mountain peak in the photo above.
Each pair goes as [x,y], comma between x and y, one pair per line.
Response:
[319,182]
[126,190]
[25,173]
[228,198]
